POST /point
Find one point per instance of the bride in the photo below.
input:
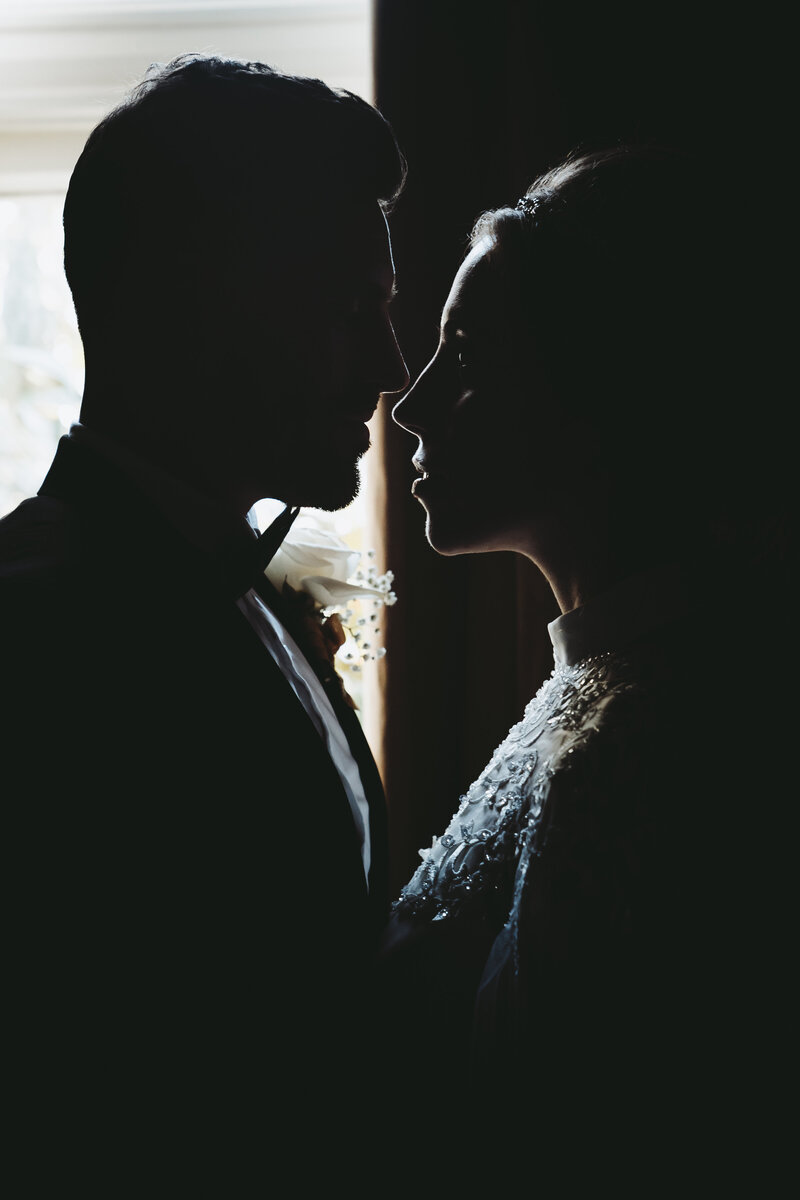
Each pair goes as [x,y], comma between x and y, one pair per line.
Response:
[579,922]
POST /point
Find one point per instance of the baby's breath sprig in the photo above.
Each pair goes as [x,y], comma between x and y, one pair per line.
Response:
[342,586]
[362,627]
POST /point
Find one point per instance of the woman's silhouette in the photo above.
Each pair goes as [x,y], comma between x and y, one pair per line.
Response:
[576,931]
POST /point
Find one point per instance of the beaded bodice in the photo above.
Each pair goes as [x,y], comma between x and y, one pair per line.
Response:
[486,851]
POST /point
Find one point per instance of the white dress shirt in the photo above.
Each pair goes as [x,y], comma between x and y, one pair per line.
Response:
[202,524]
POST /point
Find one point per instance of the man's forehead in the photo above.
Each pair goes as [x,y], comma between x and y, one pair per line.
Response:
[331,252]
[361,245]
[364,229]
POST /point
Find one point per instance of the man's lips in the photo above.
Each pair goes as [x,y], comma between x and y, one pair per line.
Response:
[361,412]
[350,423]
[356,418]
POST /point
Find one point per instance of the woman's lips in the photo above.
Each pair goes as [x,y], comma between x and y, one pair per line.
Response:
[426,485]
[431,478]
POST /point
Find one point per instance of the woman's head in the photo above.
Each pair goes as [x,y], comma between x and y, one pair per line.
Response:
[579,369]
[612,258]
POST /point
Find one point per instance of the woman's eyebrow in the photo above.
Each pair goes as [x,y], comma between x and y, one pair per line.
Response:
[454,325]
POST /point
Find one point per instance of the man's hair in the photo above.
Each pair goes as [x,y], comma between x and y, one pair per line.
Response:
[201,149]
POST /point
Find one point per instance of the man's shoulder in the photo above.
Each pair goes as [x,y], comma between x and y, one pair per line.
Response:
[38,539]
[89,526]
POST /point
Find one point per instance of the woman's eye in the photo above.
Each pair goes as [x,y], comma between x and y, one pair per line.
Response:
[464,361]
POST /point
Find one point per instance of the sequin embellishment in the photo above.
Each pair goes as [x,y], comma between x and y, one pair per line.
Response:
[489,844]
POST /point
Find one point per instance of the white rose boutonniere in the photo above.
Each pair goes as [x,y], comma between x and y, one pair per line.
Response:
[338,595]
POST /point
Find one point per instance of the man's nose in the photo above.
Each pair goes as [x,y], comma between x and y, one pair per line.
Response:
[407,412]
[394,375]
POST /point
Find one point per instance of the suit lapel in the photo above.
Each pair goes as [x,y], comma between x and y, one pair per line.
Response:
[359,747]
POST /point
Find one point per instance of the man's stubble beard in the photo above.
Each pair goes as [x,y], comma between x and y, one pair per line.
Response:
[299,464]
[324,485]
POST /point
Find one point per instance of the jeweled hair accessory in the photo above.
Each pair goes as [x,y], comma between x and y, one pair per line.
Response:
[528,205]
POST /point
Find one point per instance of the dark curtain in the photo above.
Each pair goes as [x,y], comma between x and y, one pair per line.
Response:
[483,98]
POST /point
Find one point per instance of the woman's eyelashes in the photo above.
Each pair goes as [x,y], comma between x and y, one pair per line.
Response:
[456,349]
[466,361]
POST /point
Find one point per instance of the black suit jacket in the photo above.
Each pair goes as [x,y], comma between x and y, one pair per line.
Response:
[189,910]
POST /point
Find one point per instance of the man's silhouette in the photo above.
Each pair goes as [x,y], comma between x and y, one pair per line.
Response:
[198,833]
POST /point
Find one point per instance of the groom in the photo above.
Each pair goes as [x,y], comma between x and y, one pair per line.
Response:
[195,823]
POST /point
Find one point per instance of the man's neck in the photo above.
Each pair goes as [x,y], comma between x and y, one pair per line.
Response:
[200,517]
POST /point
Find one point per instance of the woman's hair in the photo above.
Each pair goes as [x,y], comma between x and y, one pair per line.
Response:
[614,262]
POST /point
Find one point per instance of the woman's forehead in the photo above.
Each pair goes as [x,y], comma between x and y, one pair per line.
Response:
[479,292]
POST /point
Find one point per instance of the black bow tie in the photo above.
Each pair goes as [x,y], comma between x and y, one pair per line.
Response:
[269,541]
[245,567]
[301,621]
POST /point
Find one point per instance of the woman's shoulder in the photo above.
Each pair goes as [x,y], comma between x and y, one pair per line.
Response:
[574,713]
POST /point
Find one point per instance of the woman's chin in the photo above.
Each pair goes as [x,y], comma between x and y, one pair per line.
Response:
[450,538]
[471,533]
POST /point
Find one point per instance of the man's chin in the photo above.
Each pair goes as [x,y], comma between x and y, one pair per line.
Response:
[327,488]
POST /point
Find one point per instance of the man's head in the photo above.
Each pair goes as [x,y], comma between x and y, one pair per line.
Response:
[227,250]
